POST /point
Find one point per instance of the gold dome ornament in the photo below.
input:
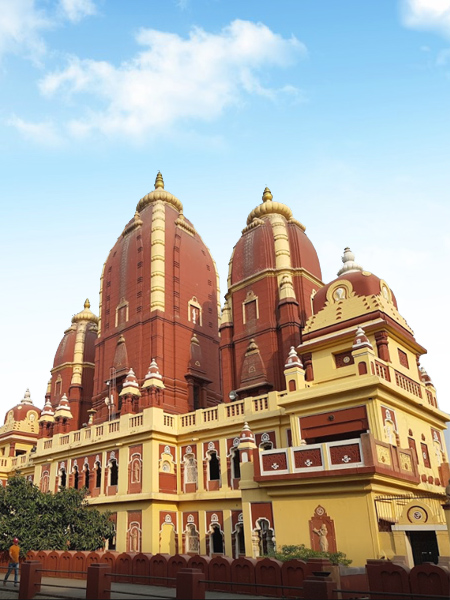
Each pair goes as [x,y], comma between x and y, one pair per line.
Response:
[267,195]
[269,207]
[159,181]
[159,193]
[86,314]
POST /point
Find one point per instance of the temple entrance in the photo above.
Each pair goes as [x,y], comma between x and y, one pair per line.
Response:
[424,546]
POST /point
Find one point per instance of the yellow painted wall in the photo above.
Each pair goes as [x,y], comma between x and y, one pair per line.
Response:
[354,534]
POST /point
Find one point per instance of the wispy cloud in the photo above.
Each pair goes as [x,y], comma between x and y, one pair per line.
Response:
[43,133]
[21,25]
[430,15]
[76,10]
[175,78]
[24,22]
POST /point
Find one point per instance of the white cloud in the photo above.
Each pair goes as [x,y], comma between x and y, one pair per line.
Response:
[76,10]
[43,133]
[432,15]
[174,78]
[21,24]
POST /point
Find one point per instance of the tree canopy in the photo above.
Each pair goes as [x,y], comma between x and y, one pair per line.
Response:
[46,521]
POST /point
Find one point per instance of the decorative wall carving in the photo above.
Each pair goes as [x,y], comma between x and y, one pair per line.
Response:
[308,458]
[322,531]
[345,454]
[276,461]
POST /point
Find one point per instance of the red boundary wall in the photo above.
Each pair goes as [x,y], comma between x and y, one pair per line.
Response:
[380,576]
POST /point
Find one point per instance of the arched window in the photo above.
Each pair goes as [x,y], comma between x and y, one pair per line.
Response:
[235,464]
[190,469]
[76,477]
[239,541]
[62,478]
[216,539]
[113,472]
[214,467]
[112,539]
[192,539]
[98,474]
[87,475]
[265,534]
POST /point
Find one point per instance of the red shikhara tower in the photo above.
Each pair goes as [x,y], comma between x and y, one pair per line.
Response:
[156,341]
[69,391]
[158,302]
[273,275]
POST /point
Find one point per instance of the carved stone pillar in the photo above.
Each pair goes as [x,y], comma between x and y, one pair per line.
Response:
[382,340]
[308,366]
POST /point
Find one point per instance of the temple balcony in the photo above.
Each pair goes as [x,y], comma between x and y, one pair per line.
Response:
[154,418]
[356,456]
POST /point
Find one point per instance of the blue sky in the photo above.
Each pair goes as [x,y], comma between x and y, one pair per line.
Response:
[341,108]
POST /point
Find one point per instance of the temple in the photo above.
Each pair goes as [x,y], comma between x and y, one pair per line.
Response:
[297,413]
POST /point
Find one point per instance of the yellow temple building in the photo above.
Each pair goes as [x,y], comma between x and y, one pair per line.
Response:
[296,414]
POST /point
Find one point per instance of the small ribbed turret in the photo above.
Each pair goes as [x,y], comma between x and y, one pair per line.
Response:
[63,409]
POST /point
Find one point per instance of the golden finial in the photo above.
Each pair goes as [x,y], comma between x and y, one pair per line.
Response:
[267,195]
[87,304]
[159,181]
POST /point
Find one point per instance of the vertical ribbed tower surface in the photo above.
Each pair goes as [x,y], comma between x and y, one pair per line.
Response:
[159,301]
[273,274]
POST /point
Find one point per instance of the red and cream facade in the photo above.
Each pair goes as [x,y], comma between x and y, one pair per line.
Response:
[297,414]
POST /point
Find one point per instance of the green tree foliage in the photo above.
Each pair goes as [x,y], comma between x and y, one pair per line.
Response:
[46,521]
[303,553]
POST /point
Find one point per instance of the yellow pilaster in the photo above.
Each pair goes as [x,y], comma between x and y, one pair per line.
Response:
[78,354]
[282,256]
[122,461]
[121,536]
[157,301]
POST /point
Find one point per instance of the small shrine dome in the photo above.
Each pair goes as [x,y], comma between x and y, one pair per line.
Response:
[24,410]
[352,280]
